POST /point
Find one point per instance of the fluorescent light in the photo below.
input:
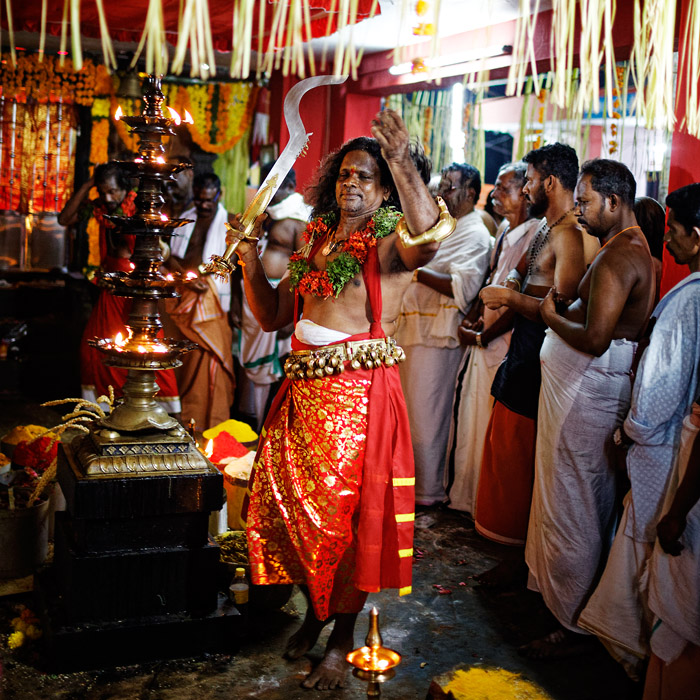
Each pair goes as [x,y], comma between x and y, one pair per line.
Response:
[456,130]
[453,59]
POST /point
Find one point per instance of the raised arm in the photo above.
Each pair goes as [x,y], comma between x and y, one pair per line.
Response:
[69,213]
[273,307]
[419,208]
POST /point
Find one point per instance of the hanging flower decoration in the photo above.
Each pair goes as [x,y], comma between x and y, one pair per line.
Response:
[222,112]
[418,66]
[613,143]
[541,111]
[47,79]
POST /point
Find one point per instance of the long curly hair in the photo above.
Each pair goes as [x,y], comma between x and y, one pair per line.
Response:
[321,193]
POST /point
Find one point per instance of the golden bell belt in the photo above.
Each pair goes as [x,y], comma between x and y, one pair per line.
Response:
[331,359]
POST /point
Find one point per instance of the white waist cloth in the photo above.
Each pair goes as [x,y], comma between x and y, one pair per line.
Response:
[312,334]
[674,582]
[582,400]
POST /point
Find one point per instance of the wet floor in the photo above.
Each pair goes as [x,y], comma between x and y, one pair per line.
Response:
[448,623]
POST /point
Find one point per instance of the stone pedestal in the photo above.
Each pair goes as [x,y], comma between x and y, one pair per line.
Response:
[134,575]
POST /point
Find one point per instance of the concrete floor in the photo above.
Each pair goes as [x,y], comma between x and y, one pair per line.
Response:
[436,633]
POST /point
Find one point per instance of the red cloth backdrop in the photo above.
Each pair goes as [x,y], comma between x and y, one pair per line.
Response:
[126,18]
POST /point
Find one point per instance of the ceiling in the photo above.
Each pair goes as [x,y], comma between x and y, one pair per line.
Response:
[380,33]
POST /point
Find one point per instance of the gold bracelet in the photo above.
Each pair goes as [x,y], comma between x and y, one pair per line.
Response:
[516,281]
[443,228]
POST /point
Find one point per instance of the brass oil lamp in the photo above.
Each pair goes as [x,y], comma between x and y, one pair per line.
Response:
[373,662]
[138,436]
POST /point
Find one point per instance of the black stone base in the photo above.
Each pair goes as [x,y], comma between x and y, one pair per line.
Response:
[103,645]
[125,584]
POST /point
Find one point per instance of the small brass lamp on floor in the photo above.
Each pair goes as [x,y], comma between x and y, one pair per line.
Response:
[373,662]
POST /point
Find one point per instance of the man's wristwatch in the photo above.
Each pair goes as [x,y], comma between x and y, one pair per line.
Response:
[479,341]
[620,439]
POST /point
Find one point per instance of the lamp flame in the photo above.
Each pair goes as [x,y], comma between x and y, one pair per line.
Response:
[191,275]
[209,449]
[174,116]
[118,114]
[160,159]
[188,118]
[163,217]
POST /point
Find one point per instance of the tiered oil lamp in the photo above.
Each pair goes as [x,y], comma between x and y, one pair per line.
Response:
[373,662]
[139,436]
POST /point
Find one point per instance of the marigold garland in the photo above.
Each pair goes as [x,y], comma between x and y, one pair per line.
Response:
[222,112]
[47,79]
[348,263]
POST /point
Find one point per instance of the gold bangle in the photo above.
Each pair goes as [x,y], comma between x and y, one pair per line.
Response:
[415,274]
[443,228]
[516,281]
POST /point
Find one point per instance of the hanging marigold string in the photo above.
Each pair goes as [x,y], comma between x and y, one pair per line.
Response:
[48,79]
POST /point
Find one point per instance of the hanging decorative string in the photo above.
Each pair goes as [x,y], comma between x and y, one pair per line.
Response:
[42,31]
[153,37]
[524,49]
[652,62]
[689,69]
[195,31]
[10,31]
[561,46]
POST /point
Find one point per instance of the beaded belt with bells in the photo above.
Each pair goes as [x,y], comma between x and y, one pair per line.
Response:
[330,359]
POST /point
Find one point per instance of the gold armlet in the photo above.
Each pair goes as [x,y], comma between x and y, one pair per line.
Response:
[443,228]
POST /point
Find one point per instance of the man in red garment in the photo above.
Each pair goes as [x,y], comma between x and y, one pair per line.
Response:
[110,313]
[331,501]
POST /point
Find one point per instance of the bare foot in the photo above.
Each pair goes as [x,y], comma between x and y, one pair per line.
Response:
[558,645]
[304,639]
[330,673]
[507,574]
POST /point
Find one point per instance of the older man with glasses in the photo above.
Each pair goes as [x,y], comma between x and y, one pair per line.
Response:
[432,310]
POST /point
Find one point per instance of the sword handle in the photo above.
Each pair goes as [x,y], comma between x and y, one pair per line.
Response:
[221,265]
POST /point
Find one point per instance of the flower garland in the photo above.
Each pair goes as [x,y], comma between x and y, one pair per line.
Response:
[348,263]
[44,78]
[222,112]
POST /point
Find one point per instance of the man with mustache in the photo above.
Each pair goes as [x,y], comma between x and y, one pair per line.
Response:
[586,360]
[555,257]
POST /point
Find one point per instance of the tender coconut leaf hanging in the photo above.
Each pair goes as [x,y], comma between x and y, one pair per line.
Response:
[11,32]
[153,38]
[652,62]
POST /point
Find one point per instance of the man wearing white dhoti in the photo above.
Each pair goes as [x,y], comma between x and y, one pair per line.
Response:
[430,315]
[586,360]
[666,386]
[486,333]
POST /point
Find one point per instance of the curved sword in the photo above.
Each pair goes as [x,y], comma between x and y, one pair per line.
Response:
[221,265]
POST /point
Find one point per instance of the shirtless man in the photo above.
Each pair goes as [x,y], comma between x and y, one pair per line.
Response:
[261,354]
[555,257]
[586,360]
[334,442]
